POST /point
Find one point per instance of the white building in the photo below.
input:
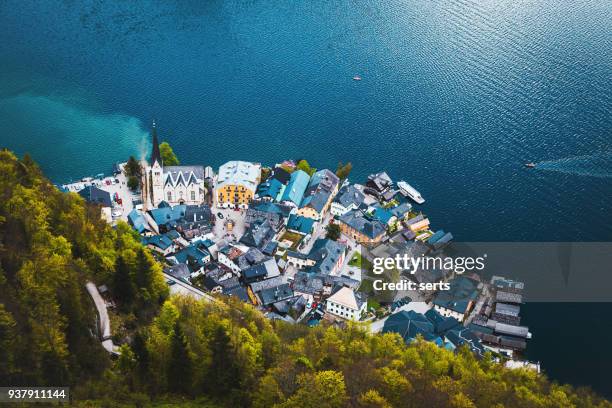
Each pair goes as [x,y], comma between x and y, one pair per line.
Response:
[173,184]
[347,304]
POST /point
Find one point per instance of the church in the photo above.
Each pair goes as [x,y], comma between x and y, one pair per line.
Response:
[173,184]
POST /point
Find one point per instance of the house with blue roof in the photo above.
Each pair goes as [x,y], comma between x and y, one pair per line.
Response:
[409,325]
[94,195]
[167,218]
[383,215]
[195,256]
[160,244]
[362,227]
[137,220]
[326,257]
[348,198]
[299,224]
[294,192]
[321,190]
[459,300]
[271,190]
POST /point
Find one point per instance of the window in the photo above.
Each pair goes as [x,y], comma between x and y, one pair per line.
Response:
[193,196]
[169,195]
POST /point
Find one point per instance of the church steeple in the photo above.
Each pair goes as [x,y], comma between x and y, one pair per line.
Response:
[155,154]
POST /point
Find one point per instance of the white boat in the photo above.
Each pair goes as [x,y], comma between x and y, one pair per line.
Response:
[409,191]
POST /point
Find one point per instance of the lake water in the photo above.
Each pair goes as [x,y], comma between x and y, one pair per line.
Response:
[455,97]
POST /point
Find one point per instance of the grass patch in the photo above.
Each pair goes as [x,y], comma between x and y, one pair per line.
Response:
[294,237]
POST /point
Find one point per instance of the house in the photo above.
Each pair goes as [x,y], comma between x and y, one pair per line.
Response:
[409,325]
[349,198]
[402,211]
[281,175]
[196,256]
[299,224]
[266,270]
[138,221]
[161,244]
[383,215]
[270,190]
[458,301]
[417,223]
[346,303]
[378,184]
[167,217]
[321,190]
[294,192]
[258,234]
[94,195]
[274,212]
[251,257]
[236,184]
[174,184]
[179,271]
[326,257]
[361,227]
[196,221]
[275,294]
[439,239]
[228,255]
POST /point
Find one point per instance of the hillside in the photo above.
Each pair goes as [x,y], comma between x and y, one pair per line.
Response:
[178,351]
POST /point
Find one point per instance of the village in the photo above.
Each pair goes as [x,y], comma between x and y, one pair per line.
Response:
[298,243]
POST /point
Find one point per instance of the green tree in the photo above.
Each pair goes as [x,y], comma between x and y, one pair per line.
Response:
[332,231]
[132,168]
[223,373]
[325,389]
[133,183]
[305,167]
[167,155]
[343,170]
[180,368]
[123,286]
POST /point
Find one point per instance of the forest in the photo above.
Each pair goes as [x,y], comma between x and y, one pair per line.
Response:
[177,351]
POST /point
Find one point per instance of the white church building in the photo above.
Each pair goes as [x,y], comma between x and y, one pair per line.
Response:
[173,184]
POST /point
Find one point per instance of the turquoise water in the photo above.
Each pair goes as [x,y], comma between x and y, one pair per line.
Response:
[456,96]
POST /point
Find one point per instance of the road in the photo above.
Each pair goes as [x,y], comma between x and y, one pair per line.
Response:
[103,320]
[181,288]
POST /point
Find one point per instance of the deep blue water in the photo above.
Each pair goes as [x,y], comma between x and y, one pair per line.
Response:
[455,97]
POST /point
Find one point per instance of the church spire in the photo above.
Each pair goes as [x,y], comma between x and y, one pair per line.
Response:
[155,154]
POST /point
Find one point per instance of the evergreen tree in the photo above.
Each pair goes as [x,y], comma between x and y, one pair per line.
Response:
[141,353]
[123,286]
[223,373]
[180,367]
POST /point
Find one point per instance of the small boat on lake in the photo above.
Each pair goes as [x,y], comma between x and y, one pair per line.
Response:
[530,165]
[356,78]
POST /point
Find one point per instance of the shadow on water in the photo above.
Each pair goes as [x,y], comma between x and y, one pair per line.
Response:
[593,165]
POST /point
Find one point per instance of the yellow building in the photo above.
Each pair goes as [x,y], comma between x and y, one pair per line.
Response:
[236,184]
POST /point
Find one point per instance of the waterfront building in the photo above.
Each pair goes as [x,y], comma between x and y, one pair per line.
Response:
[349,198]
[294,192]
[321,190]
[236,184]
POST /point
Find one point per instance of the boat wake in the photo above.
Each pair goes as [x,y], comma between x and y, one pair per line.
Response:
[593,165]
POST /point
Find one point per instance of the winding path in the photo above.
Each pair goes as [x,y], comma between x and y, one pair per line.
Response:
[103,320]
